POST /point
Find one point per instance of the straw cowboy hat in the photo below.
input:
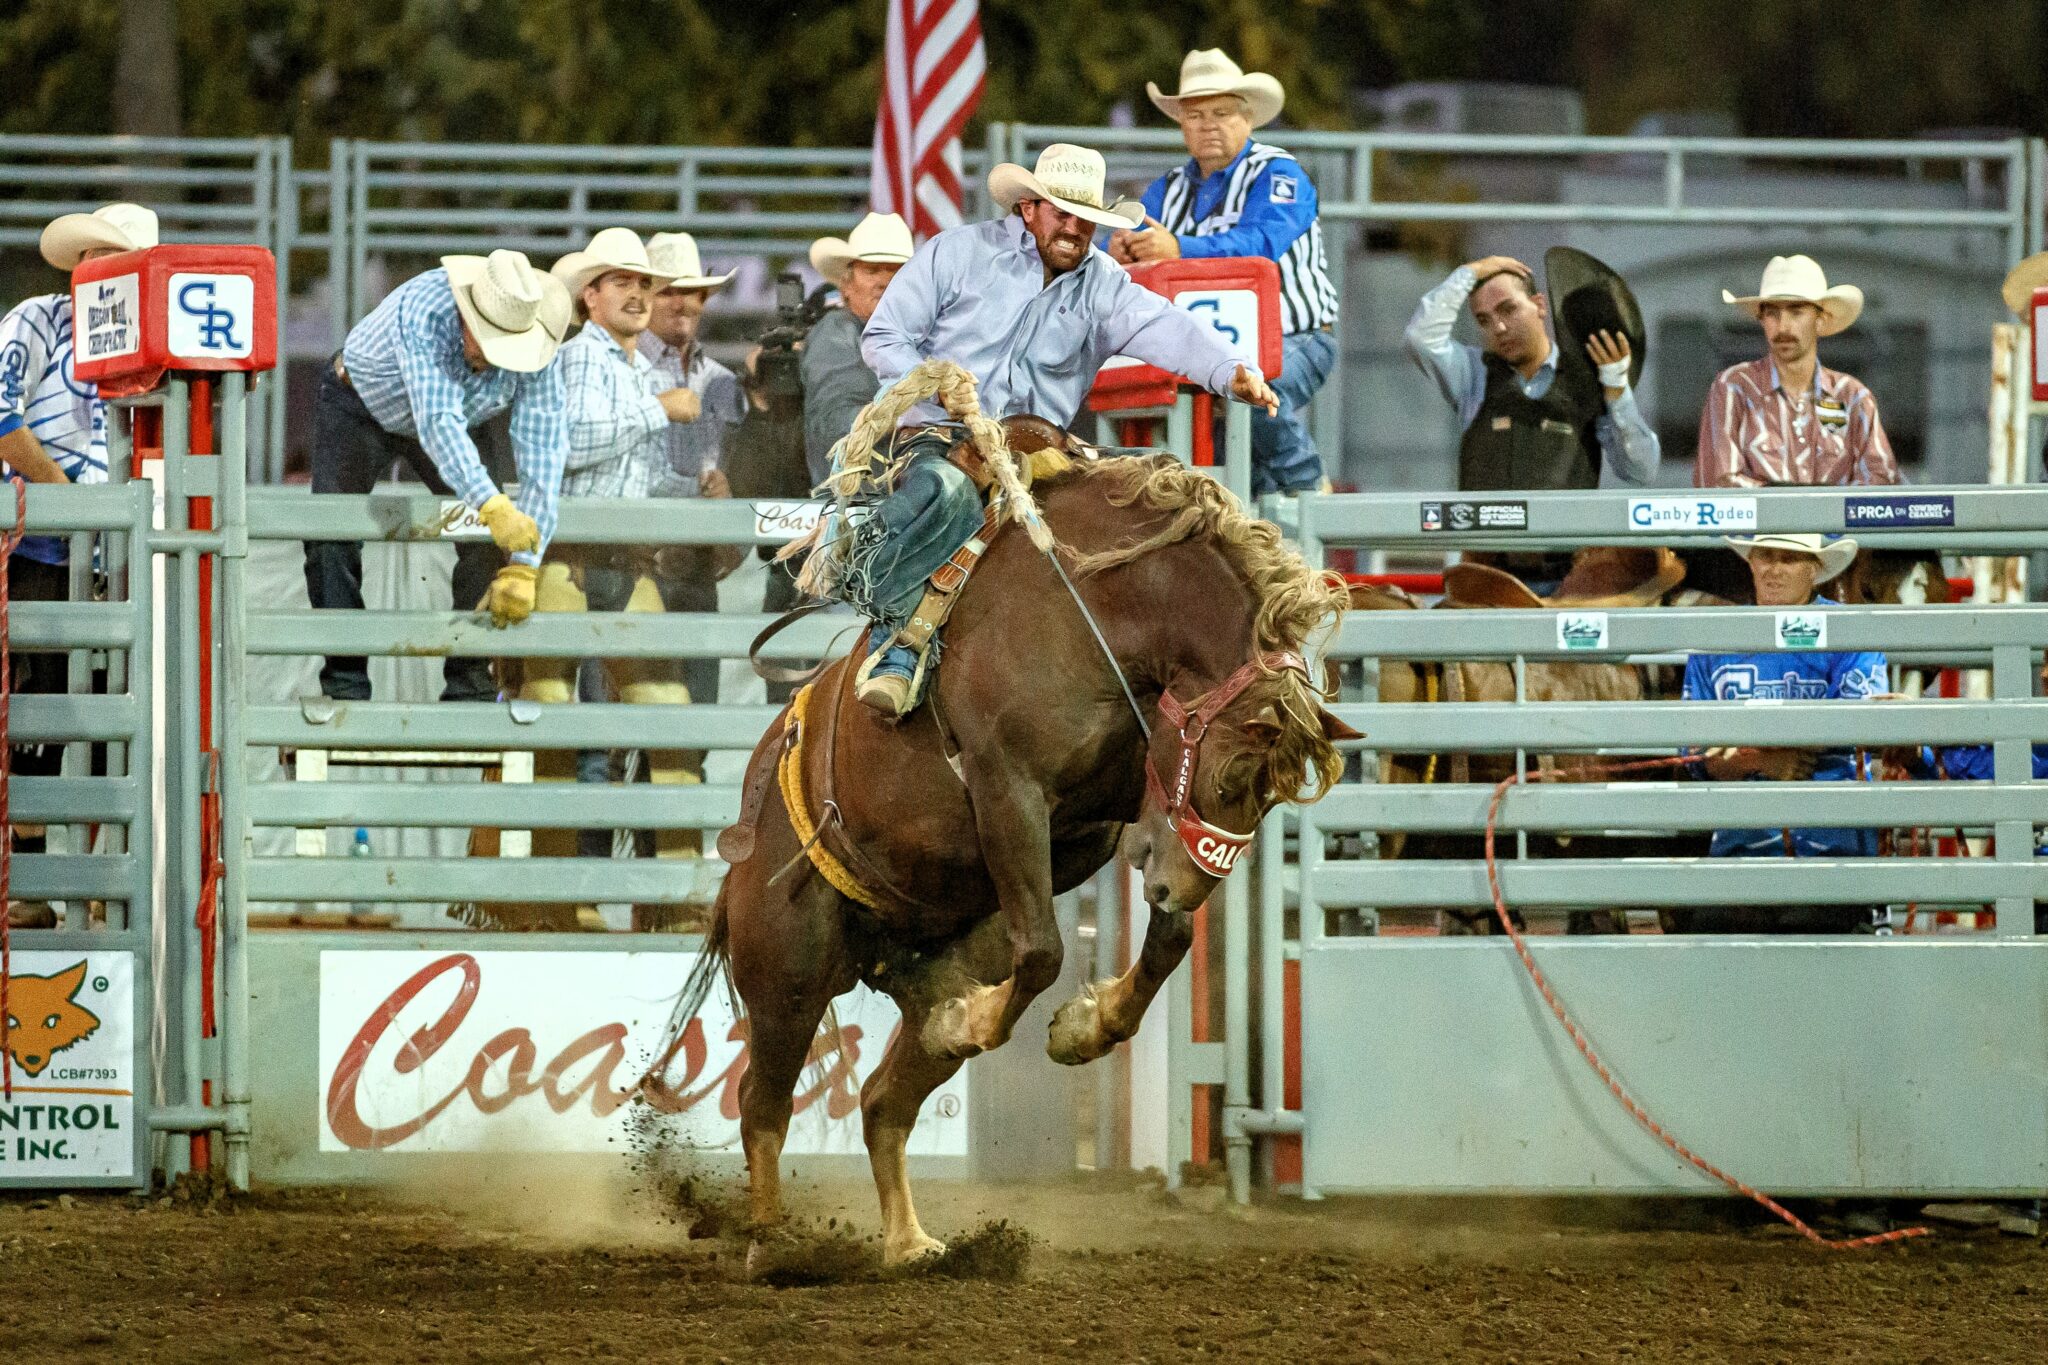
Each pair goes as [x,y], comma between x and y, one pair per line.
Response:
[2020,284]
[675,255]
[883,238]
[1833,553]
[613,248]
[557,309]
[124,227]
[1068,176]
[501,296]
[1209,72]
[1798,279]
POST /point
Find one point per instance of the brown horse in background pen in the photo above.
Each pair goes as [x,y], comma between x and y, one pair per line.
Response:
[1023,772]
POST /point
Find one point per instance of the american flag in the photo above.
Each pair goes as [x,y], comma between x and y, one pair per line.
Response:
[933,65]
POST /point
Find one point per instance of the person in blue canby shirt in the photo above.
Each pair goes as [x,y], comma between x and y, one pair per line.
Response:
[1240,197]
[1787,569]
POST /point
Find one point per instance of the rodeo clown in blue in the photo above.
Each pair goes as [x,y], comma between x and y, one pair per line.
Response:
[1240,197]
[1786,570]
[1028,306]
[53,427]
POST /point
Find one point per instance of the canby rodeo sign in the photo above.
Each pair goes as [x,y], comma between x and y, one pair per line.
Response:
[71,1040]
[425,1051]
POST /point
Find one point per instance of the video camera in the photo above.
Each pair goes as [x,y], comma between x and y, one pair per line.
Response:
[777,368]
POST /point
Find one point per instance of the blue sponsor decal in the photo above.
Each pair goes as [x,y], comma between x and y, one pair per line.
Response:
[1888,510]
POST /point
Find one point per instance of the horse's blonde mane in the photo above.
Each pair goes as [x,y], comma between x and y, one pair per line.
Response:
[1294,599]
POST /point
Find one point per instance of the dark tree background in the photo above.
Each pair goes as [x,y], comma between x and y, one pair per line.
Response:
[805,73]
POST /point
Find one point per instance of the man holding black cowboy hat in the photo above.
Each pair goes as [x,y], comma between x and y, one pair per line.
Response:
[1539,413]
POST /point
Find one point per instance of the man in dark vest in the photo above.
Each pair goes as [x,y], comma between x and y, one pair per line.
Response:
[1529,421]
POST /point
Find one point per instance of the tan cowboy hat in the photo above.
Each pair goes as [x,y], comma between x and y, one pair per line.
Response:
[1834,553]
[675,255]
[1068,176]
[613,248]
[1209,72]
[501,297]
[883,238]
[2022,281]
[124,227]
[1799,279]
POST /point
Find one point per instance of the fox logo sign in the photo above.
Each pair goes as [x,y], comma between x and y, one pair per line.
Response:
[43,1019]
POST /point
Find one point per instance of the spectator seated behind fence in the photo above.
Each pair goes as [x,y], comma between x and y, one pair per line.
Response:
[1788,419]
[441,355]
[837,380]
[1236,196]
[1787,569]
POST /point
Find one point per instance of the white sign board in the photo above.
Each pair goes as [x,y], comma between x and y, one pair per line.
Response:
[1708,512]
[72,1047]
[211,317]
[459,521]
[107,317]
[434,1051]
[1233,312]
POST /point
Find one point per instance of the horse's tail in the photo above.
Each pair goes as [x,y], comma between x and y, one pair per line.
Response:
[714,968]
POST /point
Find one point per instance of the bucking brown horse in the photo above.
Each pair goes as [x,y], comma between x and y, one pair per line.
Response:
[942,839]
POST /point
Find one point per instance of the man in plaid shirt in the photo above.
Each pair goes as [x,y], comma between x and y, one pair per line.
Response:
[442,354]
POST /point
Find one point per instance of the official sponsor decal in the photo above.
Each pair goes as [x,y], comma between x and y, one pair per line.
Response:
[1693,512]
[1475,516]
[211,317]
[458,521]
[1865,511]
[107,317]
[71,1040]
[427,1051]
[1581,630]
[1802,630]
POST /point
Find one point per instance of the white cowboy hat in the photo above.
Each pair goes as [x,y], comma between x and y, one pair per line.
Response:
[1068,176]
[1798,279]
[883,238]
[1209,72]
[502,298]
[613,248]
[2023,280]
[557,309]
[1834,553]
[675,254]
[124,227]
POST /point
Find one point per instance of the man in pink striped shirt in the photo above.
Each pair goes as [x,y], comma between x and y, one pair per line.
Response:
[1787,419]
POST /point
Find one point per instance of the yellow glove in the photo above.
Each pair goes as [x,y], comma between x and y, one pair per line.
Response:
[511,528]
[510,599]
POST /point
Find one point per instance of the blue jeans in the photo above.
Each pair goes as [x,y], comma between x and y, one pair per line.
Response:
[1284,455]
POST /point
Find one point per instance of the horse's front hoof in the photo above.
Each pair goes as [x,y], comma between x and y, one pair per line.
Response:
[913,1249]
[1075,1035]
[946,1032]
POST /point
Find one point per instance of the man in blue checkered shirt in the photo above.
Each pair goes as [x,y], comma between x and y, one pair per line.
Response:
[446,351]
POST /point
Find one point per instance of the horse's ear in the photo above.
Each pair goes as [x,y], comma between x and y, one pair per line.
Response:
[1334,729]
[1264,728]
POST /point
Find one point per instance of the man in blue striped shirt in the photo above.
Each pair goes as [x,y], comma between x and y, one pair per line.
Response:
[53,429]
[1240,197]
[443,353]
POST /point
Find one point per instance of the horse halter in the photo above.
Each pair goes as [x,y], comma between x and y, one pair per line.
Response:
[1214,849]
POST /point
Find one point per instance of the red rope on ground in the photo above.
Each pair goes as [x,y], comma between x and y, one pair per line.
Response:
[1585,1047]
[7,543]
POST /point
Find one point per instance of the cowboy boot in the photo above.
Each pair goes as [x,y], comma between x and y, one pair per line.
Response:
[885,677]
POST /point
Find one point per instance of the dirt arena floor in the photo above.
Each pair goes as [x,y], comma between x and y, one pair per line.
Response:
[496,1268]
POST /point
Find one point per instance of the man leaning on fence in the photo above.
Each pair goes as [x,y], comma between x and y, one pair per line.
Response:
[1237,196]
[53,429]
[443,353]
[1787,569]
[1786,418]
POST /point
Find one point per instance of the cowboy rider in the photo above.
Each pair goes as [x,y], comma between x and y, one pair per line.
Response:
[1031,308]
[1786,418]
[1237,196]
